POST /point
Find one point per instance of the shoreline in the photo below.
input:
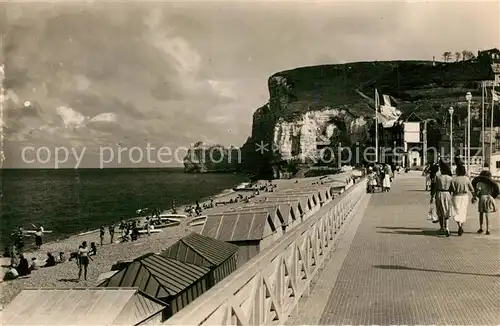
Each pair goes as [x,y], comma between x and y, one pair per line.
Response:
[66,274]
[29,240]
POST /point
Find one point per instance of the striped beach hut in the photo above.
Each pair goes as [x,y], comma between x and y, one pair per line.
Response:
[83,306]
[169,280]
[250,231]
[219,256]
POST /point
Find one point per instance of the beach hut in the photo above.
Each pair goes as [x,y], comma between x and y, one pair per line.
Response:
[272,208]
[300,205]
[289,212]
[306,201]
[250,231]
[83,306]
[322,195]
[219,256]
[312,194]
[169,280]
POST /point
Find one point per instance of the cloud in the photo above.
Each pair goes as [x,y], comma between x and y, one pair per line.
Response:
[104,117]
[70,117]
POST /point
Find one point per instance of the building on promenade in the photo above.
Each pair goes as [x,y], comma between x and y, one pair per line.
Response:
[250,231]
[495,164]
[173,282]
[84,306]
[219,256]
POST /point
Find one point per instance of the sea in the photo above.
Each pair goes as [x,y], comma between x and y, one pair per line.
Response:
[71,201]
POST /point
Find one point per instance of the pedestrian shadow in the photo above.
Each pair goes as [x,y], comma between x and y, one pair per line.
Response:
[398,267]
[397,228]
[69,280]
[432,232]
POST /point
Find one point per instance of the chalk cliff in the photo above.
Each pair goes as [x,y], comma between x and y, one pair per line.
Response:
[202,158]
[313,108]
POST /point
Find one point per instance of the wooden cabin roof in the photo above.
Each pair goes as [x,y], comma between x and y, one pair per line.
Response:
[235,226]
[211,251]
[302,199]
[285,209]
[280,214]
[320,193]
[158,276]
[299,203]
[80,306]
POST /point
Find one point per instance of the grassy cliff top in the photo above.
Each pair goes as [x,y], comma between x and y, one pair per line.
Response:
[409,83]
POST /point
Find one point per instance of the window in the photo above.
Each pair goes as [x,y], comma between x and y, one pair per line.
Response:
[498,164]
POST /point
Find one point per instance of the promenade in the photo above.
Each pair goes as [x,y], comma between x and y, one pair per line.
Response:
[391,268]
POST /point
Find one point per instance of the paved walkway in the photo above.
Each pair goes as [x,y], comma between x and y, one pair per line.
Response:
[392,269]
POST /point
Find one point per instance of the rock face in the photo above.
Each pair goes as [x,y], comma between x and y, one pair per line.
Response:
[202,158]
[303,139]
[313,108]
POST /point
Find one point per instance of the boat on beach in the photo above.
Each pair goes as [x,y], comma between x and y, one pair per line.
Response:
[199,220]
[173,217]
[245,186]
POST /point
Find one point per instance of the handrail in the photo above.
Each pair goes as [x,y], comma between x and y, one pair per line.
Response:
[267,288]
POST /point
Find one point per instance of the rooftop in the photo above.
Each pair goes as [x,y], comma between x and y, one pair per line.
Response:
[80,306]
[215,252]
[158,276]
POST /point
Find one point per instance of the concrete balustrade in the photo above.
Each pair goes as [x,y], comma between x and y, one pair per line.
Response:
[266,290]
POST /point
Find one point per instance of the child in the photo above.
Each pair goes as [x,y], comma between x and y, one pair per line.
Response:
[486,190]
[371,181]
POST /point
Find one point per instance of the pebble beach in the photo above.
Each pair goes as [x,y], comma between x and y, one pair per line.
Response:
[66,274]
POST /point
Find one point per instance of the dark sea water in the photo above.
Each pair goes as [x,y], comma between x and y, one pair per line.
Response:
[73,201]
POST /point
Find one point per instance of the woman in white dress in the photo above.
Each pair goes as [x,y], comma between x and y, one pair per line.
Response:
[386,182]
[461,186]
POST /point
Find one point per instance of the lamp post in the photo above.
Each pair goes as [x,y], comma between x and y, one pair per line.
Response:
[450,110]
[468,97]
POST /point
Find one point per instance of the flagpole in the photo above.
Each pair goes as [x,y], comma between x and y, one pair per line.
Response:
[376,125]
[483,90]
[491,124]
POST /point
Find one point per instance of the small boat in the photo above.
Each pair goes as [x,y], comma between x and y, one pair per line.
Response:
[172,217]
[246,186]
[144,231]
[35,231]
[199,220]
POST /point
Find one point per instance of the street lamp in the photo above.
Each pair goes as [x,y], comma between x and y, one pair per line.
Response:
[468,97]
[450,110]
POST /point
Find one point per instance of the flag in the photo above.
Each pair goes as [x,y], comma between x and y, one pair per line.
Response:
[496,96]
[389,113]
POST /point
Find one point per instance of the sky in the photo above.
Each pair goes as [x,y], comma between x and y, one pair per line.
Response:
[90,78]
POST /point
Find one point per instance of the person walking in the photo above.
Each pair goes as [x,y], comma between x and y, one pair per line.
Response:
[386,182]
[461,186]
[101,234]
[38,238]
[433,170]
[441,194]
[486,190]
[83,254]
[111,230]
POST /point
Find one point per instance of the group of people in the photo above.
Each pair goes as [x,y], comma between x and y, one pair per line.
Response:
[381,176]
[450,196]
[19,265]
